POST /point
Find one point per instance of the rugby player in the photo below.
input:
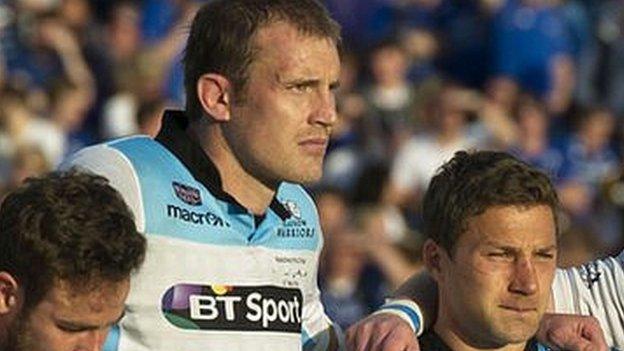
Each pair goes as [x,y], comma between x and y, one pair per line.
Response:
[68,245]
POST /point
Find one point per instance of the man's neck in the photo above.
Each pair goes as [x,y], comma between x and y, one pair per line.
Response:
[457,342]
[236,181]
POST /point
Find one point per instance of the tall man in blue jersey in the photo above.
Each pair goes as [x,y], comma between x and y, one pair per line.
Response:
[233,240]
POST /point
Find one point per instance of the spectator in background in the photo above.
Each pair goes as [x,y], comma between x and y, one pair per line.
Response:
[448,132]
[365,23]
[21,127]
[68,109]
[608,81]
[145,70]
[69,245]
[589,161]
[533,144]
[461,31]
[531,47]
[342,294]
[390,95]
[589,156]
[584,49]
[164,26]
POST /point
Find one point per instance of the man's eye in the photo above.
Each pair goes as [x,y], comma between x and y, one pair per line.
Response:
[545,255]
[301,88]
[500,254]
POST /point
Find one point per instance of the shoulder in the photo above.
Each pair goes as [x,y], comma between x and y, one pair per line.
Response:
[122,162]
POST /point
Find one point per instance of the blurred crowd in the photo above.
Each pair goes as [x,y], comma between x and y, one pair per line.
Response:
[421,79]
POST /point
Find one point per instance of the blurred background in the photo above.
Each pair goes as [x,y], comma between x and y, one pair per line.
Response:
[421,79]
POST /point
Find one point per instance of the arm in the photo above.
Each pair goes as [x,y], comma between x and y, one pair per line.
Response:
[392,328]
[571,294]
[68,49]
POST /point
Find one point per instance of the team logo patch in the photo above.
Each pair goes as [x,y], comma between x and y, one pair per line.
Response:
[187,194]
[295,226]
[240,308]
[293,208]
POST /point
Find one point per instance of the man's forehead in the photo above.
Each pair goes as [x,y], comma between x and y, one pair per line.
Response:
[273,36]
[97,294]
[513,225]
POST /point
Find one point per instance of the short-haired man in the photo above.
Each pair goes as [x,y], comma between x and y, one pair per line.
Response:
[68,245]
[593,289]
[491,227]
[233,239]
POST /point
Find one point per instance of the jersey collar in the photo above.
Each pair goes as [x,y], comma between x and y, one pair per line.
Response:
[173,136]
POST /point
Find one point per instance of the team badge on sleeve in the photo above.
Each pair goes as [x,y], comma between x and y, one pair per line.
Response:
[188,194]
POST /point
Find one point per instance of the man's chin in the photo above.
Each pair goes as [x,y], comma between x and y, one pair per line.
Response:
[516,334]
[306,175]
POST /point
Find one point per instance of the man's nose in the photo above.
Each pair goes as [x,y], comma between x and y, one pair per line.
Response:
[524,280]
[325,109]
[93,340]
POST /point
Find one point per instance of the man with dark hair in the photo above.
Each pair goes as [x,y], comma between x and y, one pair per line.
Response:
[491,227]
[68,246]
[234,239]
[491,223]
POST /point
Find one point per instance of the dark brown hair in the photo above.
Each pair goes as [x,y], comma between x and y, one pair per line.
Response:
[472,182]
[222,33]
[67,226]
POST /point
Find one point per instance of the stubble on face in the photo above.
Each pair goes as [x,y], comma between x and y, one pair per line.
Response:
[497,284]
[280,131]
[92,306]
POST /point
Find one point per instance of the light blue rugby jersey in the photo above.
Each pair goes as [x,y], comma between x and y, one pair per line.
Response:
[215,277]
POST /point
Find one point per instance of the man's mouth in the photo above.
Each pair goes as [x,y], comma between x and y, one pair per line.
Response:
[314,145]
[519,308]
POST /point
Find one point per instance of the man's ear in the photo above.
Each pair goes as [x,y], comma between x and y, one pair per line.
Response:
[9,293]
[214,92]
[435,259]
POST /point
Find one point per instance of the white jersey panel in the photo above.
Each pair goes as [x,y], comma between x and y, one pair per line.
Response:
[147,327]
[104,160]
[597,289]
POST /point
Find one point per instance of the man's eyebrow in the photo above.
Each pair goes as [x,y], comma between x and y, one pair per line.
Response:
[73,325]
[304,81]
[82,326]
[547,248]
[499,245]
[507,247]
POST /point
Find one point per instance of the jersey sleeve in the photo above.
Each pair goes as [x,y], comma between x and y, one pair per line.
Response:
[110,163]
[595,288]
